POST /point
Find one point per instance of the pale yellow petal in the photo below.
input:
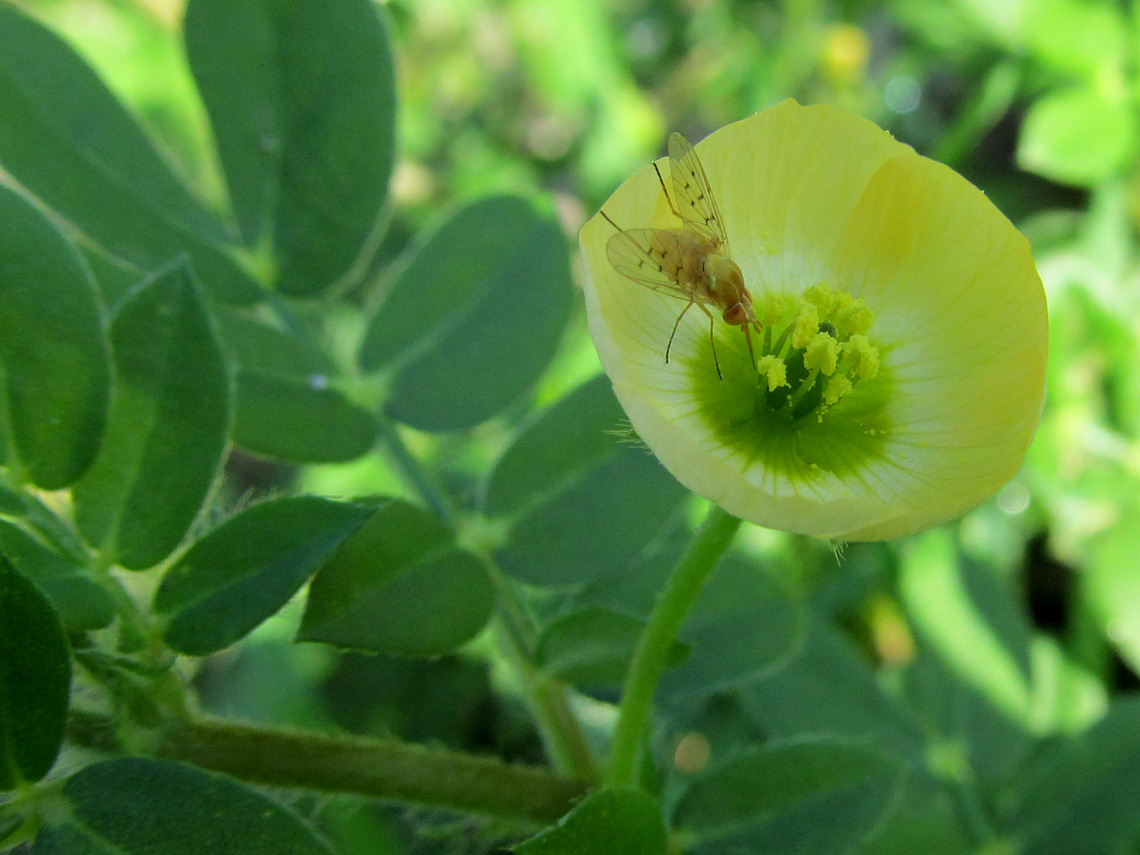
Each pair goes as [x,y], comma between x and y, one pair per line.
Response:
[954,318]
[961,311]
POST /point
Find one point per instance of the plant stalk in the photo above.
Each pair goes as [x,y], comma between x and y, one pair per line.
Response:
[681,590]
[378,768]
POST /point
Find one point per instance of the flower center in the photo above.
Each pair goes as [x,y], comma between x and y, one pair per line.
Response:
[815,351]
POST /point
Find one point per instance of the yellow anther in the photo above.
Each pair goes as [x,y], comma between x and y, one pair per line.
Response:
[806,326]
[775,310]
[866,355]
[823,298]
[837,387]
[854,318]
[772,369]
[828,329]
[822,354]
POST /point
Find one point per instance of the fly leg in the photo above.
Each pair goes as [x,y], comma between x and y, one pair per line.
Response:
[676,324]
[712,337]
[665,190]
[748,341]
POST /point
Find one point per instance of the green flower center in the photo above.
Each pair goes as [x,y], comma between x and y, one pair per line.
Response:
[815,351]
[820,401]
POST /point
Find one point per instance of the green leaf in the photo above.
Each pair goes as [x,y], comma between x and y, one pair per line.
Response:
[610,821]
[114,277]
[556,449]
[925,812]
[970,738]
[974,623]
[744,624]
[69,142]
[82,603]
[598,525]
[134,806]
[288,406]
[246,569]
[594,646]
[584,504]
[1080,795]
[34,515]
[300,419]
[301,97]
[473,317]
[1076,37]
[828,687]
[54,358]
[170,415]
[35,680]
[399,585]
[815,796]
[1110,586]
[1077,136]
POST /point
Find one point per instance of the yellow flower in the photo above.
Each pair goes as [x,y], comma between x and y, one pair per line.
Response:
[898,353]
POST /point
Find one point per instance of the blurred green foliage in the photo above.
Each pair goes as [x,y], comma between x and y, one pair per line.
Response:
[975,684]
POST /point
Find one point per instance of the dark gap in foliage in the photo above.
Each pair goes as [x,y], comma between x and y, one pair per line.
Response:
[1049,586]
[447,701]
[252,475]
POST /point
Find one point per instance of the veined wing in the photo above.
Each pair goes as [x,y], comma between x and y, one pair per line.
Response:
[656,258]
[692,193]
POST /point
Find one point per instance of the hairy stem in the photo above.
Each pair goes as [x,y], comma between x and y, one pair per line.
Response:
[382,769]
[681,590]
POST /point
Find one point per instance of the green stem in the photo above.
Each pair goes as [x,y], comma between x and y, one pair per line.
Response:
[547,700]
[972,812]
[378,768]
[562,736]
[413,473]
[681,590]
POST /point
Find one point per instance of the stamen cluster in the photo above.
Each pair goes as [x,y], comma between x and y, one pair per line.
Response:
[815,350]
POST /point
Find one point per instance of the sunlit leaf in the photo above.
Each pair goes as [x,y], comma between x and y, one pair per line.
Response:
[1077,136]
[1074,36]
[974,623]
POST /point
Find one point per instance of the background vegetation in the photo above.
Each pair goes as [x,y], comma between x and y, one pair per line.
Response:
[971,689]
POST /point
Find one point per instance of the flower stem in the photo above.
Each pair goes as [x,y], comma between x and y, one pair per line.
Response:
[673,605]
[380,768]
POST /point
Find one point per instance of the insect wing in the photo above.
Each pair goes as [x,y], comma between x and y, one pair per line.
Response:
[693,195]
[654,258]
